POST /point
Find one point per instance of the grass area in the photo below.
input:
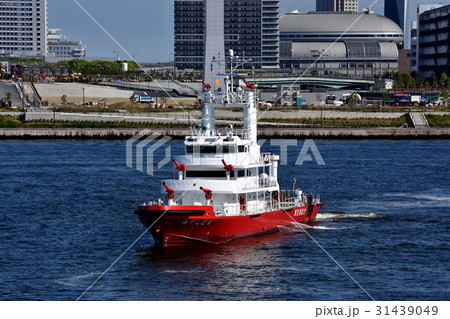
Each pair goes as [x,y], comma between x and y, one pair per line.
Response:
[342,122]
[8,110]
[17,122]
[10,121]
[142,108]
[91,124]
[442,121]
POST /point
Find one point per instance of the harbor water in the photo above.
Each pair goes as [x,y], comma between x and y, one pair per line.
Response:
[67,214]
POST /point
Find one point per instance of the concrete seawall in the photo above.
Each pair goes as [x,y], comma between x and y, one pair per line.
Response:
[123,134]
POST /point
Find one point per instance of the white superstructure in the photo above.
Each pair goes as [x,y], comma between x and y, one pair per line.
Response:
[228,163]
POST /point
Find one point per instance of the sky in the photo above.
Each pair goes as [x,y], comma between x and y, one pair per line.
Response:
[144,28]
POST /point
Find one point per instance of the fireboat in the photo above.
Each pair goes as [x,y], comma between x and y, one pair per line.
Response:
[224,187]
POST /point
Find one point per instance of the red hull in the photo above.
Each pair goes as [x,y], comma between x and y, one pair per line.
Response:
[186,225]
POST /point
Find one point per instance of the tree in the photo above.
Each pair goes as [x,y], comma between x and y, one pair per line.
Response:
[354,99]
[62,68]
[434,81]
[419,81]
[77,66]
[63,100]
[8,99]
[407,80]
[398,79]
[444,94]
[443,80]
[386,97]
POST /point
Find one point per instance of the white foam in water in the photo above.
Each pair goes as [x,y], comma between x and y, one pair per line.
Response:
[334,216]
[73,281]
[331,228]
[290,229]
[432,199]
[299,227]
[427,196]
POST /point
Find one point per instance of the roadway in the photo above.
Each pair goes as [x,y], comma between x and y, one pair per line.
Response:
[193,89]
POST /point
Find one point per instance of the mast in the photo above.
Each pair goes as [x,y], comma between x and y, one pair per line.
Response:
[218,83]
[214,41]
[214,48]
[251,118]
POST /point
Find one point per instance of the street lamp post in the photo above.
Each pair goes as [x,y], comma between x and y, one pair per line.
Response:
[134,60]
[321,114]
[173,67]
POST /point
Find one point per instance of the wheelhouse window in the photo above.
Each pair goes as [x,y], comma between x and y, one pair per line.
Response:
[208,174]
[207,149]
[226,149]
[212,149]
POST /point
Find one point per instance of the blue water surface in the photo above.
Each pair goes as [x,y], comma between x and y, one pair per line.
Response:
[67,214]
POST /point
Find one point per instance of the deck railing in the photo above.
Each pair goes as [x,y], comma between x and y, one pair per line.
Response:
[267,205]
[251,208]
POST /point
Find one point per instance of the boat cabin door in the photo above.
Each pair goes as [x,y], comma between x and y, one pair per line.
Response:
[242,202]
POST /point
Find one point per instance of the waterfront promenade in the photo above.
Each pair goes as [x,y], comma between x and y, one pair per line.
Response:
[181,116]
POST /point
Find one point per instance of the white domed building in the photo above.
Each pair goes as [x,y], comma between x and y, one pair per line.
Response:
[361,44]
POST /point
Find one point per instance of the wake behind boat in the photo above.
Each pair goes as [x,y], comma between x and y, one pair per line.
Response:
[225,187]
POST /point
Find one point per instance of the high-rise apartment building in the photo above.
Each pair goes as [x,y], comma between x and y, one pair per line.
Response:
[421,8]
[434,42]
[23,28]
[337,5]
[250,28]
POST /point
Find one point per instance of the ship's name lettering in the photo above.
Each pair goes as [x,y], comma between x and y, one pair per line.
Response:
[300,211]
[197,222]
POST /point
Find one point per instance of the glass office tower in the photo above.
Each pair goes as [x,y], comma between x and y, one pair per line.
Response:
[250,28]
